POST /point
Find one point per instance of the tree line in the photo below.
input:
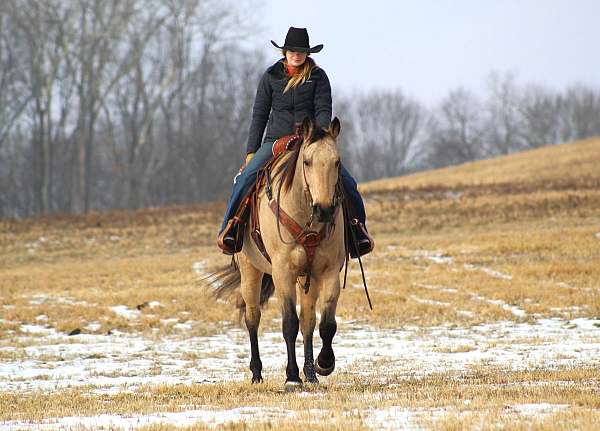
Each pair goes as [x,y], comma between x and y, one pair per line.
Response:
[133,103]
[390,134]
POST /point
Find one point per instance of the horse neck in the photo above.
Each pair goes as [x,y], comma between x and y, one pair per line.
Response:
[295,200]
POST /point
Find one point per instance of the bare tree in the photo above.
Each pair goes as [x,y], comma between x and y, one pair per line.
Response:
[539,108]
[388,124]
[580,113]
[503,126]
[455,131]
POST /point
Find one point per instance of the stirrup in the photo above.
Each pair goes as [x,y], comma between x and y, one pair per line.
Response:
[231,239]
[365,244]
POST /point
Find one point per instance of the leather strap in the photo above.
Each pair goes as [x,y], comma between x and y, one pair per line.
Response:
[308,239]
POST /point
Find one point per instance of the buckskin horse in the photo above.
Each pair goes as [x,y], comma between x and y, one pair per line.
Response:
[299,253]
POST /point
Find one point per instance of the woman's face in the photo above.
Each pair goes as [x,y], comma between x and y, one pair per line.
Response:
[295,58]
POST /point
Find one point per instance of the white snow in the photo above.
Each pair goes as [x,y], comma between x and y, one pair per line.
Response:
[93,326]
[128,361]
[436,287]
[188,418]
[398,418]
[428,301]
[126,312]
[36,329]
[183,326]
[436,257]
[533,409]
[491,272]
[512,308]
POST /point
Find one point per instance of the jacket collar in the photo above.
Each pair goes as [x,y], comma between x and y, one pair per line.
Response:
[277,69]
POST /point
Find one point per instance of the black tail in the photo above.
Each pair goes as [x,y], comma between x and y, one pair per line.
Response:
[225,283]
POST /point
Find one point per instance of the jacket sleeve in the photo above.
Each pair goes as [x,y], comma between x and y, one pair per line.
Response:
[260,114]
[322,101]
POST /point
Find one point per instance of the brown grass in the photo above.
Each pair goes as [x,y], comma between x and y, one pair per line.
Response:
[455,246]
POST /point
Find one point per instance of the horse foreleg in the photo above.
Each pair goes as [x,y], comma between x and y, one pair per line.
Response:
[250,290]
[285,284]
[330,292]
[307,325]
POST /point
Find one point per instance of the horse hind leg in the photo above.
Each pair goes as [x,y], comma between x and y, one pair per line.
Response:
[330,292]
[307,325]
[250,290]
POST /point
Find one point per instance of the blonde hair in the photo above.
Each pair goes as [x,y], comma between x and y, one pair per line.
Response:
[302,74]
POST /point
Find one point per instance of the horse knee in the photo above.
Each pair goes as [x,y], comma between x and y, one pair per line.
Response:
[290,321]
[252,317]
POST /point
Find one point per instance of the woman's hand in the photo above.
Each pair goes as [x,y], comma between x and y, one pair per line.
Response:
[248,158]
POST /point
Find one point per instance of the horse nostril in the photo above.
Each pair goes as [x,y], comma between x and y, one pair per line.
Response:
[323,213]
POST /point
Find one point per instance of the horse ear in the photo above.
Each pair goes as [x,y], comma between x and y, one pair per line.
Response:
[307,127]
[335,127]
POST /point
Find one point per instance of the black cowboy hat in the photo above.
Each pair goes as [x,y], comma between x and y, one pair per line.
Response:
[297,40]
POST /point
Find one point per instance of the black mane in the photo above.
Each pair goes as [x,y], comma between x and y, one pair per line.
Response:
[288,167]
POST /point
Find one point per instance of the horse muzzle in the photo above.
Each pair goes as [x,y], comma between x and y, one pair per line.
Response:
[323,214]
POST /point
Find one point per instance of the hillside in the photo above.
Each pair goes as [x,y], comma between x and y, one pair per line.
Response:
[485,285]
[556,181]
[575,162]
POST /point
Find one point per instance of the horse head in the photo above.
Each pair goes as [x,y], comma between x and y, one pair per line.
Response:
[321,167]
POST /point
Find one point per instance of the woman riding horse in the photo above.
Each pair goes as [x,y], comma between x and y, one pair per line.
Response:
[290,90]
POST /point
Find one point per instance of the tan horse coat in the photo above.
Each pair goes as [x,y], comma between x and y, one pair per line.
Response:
[315,177]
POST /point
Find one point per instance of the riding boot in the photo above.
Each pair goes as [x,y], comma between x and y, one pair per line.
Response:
[364,241]
[230,240]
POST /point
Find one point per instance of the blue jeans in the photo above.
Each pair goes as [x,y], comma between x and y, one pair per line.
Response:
[248,176]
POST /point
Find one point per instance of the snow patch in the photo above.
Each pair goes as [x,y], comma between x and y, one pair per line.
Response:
[491,272]
[36,330]
[206,416]
[534,409]
[93,326]
[395,418]
[428,301]
[127,361]
[519,312]
[436,287]
[126,312]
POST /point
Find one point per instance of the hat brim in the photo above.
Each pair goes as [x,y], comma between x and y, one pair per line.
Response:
[312,50]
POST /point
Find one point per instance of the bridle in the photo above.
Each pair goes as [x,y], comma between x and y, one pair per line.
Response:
[308,238]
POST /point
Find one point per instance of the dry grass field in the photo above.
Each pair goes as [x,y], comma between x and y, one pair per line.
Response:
[486,290]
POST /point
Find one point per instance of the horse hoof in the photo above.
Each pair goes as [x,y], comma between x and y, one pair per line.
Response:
[291,386]
[324,371]
[310,374]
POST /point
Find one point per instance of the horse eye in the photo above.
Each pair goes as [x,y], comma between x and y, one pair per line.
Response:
[306,163]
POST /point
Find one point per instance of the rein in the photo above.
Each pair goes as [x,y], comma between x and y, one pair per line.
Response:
[303,235]
[308,239]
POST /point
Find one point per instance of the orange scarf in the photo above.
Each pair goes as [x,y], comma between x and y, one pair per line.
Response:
[290,70]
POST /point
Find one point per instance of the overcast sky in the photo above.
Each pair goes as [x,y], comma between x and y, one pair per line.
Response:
[427,47]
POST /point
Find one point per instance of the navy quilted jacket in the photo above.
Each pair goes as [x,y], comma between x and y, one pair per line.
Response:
[279,112]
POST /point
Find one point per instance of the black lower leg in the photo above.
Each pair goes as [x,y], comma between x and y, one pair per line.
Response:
[327,329]
[290,326]
[309,362]
[255,362]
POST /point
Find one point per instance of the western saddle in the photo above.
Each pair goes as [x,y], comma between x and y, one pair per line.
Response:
[247,214]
